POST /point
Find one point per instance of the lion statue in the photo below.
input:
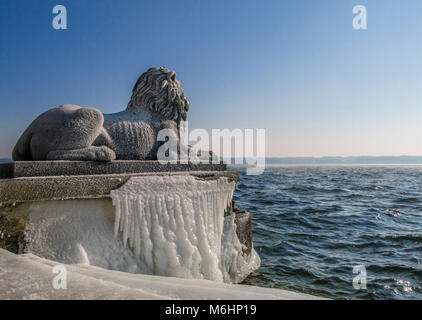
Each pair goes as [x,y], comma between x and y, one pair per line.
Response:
[71,132]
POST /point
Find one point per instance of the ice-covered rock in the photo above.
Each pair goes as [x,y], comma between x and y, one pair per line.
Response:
[169,225]
[176,226]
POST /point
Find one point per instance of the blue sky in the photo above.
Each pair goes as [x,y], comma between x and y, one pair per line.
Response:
[296,68]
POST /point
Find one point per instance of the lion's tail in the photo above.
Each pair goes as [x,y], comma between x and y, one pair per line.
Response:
[22,150]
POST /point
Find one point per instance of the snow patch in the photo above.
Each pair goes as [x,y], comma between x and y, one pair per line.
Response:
[30,277]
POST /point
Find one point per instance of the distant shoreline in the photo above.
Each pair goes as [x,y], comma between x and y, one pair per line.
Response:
[360,160]
[299,161]
[274,165]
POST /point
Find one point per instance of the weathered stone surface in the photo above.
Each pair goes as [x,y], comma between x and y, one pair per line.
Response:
[12,226]
[79,187]
[243,221]
[7,170]
[75,168]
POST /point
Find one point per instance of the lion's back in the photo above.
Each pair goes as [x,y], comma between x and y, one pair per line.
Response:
[133,140]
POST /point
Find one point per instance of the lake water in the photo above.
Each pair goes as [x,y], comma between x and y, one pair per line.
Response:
[313,225]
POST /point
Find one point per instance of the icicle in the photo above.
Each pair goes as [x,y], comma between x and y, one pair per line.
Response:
[116,203]
[125,222]
[175,225]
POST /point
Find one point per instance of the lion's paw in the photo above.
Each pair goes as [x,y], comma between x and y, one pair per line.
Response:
[104,154]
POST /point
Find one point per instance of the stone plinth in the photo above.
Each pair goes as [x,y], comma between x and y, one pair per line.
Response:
[37,209]
[81,187]
[76,168]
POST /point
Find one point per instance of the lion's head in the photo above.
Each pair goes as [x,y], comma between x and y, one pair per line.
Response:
[159,91]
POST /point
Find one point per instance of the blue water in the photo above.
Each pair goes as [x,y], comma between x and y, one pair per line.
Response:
[312,225]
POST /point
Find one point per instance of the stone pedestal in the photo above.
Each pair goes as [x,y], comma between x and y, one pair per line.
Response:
[31,192]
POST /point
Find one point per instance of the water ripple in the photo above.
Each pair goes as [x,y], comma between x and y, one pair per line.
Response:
[312,225]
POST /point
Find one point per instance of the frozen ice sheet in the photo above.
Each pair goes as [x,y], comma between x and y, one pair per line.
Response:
[30,277]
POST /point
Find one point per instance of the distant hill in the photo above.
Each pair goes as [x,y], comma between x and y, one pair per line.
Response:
[347,160]
[402,160]
[2,160]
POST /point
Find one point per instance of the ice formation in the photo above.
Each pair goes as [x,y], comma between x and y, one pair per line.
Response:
[78,232]
[176,226]
[30,277]
[168,225]
[235,265]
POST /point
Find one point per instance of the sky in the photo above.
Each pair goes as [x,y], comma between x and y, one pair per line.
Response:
[296,68]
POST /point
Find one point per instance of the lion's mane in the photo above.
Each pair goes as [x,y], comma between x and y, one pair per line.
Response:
[158,90]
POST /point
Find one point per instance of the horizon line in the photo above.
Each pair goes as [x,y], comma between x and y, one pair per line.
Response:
[309,157]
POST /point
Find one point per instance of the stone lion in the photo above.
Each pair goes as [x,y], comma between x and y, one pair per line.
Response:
[71,132]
